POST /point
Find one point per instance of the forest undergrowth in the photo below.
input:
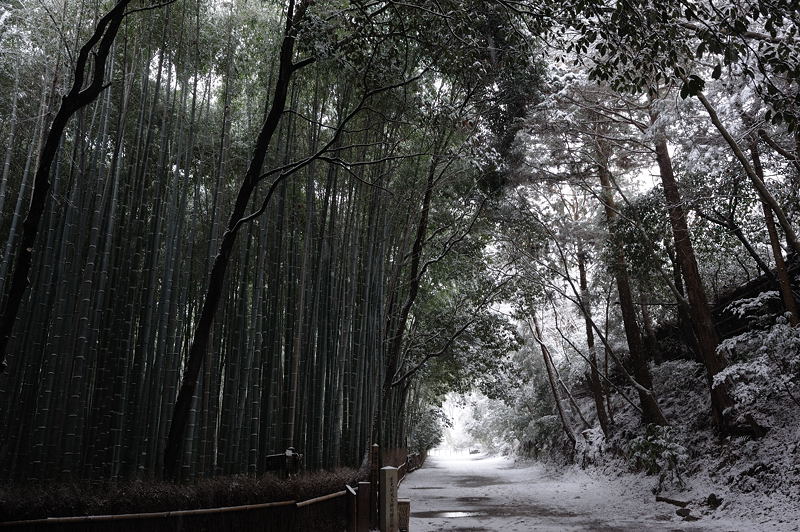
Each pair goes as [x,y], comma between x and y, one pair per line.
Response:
[688,462]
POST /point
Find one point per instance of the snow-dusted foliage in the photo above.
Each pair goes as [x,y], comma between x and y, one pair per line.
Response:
[748,307]
[765,362]
[542,436]
[493,426]
[657,453]
[427,430]
[672,376]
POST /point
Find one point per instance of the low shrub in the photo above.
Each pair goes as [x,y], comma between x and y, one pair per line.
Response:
[657,453]
[41,499]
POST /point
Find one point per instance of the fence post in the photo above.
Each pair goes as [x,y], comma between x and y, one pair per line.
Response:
[374,466]
[388,499]
[404,514]
[292,462]
[363,507]
[352,509]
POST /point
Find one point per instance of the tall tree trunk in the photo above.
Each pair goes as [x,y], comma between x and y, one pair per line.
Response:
[650,341]
[784,282]
[702,321]
[199,344]
[78,97]
[537,335]
[594,375]
[684,317]
[651,413]
[396,327]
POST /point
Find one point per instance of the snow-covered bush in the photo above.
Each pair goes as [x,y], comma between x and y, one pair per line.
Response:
[542,436]
[751,307]
[765,362]
[679,376]
[657,453]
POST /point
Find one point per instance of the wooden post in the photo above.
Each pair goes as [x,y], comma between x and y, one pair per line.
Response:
[363,507]
[374,466]
[293,459]
[352,509]
[404,514]
[388,499]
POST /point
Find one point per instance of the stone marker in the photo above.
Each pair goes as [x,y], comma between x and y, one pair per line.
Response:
[388,500]
[404,514]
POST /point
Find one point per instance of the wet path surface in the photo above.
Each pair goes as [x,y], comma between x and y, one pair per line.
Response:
[476,493]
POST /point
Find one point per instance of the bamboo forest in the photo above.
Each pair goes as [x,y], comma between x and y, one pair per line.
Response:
[272,264]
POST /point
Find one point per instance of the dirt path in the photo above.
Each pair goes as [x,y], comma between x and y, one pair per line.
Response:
[478,493]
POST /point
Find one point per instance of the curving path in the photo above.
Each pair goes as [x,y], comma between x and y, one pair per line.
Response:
[478,493]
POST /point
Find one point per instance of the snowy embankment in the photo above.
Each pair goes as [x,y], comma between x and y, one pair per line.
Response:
[754,484]
[477,493]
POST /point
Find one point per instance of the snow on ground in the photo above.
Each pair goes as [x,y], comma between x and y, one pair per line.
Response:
[479,493]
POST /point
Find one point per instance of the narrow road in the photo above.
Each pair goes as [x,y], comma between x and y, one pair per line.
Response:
[478,493]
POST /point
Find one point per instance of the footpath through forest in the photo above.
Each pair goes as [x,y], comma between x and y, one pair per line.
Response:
[479,493]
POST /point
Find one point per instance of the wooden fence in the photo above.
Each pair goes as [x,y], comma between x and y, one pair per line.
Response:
[352,509]
[327,513]
[246,518]
[404,462]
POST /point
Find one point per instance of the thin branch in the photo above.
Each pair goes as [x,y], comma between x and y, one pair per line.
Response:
[149,8]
